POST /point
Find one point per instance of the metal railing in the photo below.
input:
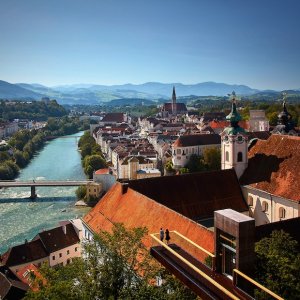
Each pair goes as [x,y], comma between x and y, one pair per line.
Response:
[201,273]
[236,272]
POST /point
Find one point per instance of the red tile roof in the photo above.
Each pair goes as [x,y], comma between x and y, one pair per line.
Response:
[274,166]
[180,107]
[24,275]
[113,117]
[135,209]
[102,171]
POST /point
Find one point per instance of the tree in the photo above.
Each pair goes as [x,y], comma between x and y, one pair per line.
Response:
[92,163]
[212,158]
[195,164]
[115,266]
[278,265]
[81,192]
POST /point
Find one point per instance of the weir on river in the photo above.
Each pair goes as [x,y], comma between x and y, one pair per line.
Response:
[22,218]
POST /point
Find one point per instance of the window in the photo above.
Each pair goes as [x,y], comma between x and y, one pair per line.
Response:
[178,151]
[95,190]
[281,213]
[53,257]
[265,206]
[60,255]
[68,252]
[76,249]
[227,156]
[240,157]
[250,200]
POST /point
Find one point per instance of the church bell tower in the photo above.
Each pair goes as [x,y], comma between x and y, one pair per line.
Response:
[174,105]
[234,142]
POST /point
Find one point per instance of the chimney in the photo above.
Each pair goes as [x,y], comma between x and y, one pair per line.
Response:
[64,228]
[124,188]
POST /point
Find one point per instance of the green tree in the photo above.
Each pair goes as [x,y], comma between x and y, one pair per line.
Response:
[92,163]
[81,192]
[195,164]
[115,266]
[212,158]
[278,265]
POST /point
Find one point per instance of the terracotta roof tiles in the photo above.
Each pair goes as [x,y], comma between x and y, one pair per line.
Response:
[117,207]
[274,166]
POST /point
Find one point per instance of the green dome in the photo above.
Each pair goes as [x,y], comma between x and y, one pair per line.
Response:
[233,116]
[234,130]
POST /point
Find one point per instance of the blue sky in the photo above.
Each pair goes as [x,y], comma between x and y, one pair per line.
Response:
[56,42]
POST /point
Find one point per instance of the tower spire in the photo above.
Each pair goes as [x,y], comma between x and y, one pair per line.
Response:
[174,105]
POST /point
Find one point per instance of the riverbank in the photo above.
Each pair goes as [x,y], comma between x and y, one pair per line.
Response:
[24,144]
[22,218]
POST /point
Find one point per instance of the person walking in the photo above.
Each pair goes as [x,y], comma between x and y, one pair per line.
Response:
[161,234]
[167,236]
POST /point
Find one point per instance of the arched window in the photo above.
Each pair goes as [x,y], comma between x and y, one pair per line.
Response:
[227,156]
[265,206]
[240,156]
[250,200]
[281,213]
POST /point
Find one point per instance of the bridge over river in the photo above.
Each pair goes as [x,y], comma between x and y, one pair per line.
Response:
[33,184]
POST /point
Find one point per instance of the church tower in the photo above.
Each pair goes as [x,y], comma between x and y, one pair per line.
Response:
[234,142]
[174,105]
[285,124]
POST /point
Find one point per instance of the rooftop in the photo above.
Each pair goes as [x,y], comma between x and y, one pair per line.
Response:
[56,239]
[197,139]
[274,166]
[195,195]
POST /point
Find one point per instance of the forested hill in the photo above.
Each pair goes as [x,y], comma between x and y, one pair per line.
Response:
[35,110]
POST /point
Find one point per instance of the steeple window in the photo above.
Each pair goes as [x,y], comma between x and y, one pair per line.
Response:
[240,157]
[227,156]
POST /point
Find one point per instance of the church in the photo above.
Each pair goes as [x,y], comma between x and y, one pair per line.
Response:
[269,171]
[172,109]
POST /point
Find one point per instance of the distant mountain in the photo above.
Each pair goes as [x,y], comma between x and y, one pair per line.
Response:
[13,91]
[165,89]
[130,101]
[155,92]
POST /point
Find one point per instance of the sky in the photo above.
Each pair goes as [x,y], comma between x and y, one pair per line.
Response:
[56,42]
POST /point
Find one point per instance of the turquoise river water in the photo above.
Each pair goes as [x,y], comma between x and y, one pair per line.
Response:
[22,218]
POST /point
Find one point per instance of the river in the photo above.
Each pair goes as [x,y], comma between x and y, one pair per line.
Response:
[22,218]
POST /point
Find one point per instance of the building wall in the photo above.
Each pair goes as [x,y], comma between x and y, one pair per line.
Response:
[94,189]
[274,203]
[181,155]
[107,180]
[62,256]
[230,150]
[147,175]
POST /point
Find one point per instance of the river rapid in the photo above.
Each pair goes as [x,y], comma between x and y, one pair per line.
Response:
[22,218]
